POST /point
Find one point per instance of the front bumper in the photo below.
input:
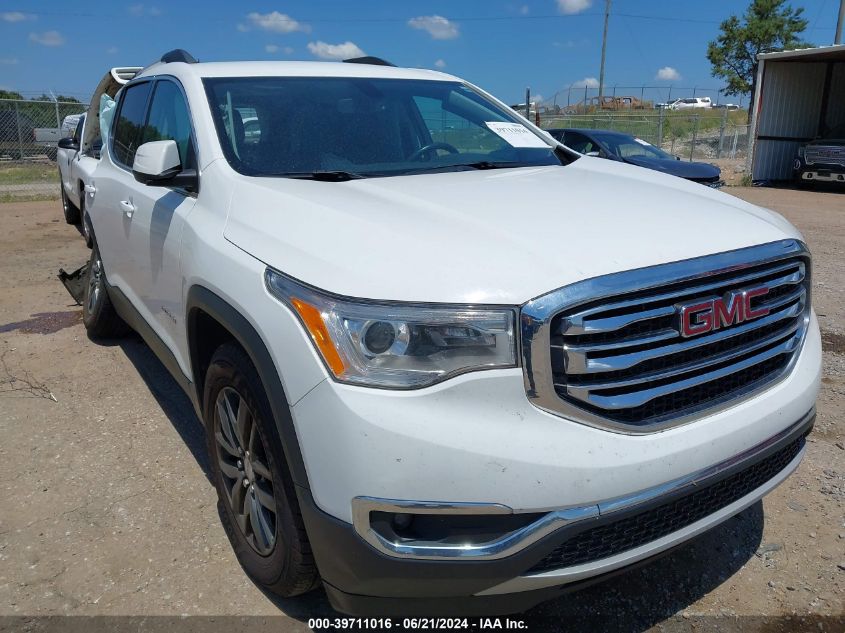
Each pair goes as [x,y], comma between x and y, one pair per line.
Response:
[477,442]
[818,172]
[544,563]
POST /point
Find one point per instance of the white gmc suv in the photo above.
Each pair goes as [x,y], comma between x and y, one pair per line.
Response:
[445,364]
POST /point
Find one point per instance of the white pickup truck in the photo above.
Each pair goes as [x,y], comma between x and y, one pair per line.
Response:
[445,364]
[78,153]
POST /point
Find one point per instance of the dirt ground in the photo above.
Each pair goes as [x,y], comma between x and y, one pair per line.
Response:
[106,506]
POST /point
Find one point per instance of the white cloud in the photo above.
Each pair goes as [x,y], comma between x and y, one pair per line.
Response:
[288,50]
[140,10]
[586,82]
[335,51]
[524,10]
[437,26]
[112,50]
[47,38]
[440,64]
[275,22]
[667,73]
[271,48]
[571,7]
[16,16]
[9,61]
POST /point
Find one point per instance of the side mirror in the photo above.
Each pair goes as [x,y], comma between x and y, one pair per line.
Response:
[157,164]
[68,143]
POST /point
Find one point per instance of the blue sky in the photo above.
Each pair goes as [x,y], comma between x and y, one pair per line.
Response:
[502,45]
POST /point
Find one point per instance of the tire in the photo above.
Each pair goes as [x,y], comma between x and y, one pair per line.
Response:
[98,314]
[87,231]
[262,517]
[70,211]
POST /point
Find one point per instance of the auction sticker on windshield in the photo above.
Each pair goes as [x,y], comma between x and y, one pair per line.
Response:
[516,134]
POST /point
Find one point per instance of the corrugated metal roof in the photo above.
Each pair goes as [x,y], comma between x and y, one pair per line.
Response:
[819,53]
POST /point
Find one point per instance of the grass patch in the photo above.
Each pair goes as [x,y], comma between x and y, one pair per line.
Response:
[26,197]
[24,174]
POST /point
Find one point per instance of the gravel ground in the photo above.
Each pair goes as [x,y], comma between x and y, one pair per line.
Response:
[107,509]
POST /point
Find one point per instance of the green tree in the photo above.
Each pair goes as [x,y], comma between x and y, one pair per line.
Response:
[8,94]
[767,25]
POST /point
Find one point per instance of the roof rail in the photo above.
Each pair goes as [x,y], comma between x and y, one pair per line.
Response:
[178,55]
[368,59]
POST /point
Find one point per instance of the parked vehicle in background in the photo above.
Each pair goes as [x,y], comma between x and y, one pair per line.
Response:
[635,151]
[48,139]
[22,138]
[79,152]
[76,168]
[69,124]
[17,134]
[412,395]
[822,160]
[691,103]
[608,103]
[725,106]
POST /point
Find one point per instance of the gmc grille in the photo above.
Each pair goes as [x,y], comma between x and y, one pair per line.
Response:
[622,358]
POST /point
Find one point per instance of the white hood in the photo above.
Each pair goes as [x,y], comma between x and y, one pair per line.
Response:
[497,236]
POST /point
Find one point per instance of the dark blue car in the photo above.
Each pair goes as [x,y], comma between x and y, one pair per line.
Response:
[629,149]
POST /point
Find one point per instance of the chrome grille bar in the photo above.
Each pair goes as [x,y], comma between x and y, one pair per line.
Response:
[609,351]
[580,322]
[638,398]
[577,361]
[581,390]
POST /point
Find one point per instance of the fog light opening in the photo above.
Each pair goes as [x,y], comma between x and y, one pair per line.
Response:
[402,521]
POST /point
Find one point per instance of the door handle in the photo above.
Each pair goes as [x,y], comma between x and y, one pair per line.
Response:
[127,207]
[90,189]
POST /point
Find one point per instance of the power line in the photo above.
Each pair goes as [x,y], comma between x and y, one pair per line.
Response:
[493,18]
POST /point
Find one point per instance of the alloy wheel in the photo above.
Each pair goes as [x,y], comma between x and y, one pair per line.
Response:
[242,460]
[95,283]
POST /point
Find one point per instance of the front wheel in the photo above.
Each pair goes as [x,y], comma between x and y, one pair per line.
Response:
[98,314]
[256,495]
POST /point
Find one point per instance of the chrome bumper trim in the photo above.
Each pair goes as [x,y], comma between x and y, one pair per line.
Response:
[515,541]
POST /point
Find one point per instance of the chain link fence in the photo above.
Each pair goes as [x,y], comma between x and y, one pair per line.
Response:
[29,134]
[30,130]
[707,134]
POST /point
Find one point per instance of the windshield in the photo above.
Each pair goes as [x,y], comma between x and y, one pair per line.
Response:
[631,147]
[301,126]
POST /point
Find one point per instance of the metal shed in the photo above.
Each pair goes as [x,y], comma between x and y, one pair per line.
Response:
[800,96]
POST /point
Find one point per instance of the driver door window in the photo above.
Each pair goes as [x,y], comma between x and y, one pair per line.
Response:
[169,120]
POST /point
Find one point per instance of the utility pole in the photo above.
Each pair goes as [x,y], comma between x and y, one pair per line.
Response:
[839,22]
[604,50]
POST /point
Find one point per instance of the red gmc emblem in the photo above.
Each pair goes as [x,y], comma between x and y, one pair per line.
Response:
[713,314]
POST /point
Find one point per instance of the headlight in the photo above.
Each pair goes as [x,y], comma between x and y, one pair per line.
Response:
[398,345]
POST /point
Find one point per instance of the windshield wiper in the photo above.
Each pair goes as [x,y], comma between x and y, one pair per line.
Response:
[325,176]
[488,164]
